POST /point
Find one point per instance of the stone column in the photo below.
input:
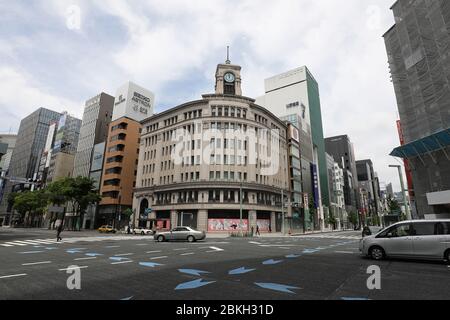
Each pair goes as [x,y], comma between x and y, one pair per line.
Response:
[202,220]
[252,217]
[173,219]
[273,223]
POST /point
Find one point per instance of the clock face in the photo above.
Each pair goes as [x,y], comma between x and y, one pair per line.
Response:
[229,77]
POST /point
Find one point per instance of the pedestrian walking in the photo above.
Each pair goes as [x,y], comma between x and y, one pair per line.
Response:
[257,231]
[253,231]
[270,228]
[58,234]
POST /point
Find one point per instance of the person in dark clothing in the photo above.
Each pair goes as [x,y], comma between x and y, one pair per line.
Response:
[58,234]
[257,231]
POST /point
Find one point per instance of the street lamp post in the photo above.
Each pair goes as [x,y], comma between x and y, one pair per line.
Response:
[402,185]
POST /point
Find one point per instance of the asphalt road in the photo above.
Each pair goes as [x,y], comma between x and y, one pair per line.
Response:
[297,268]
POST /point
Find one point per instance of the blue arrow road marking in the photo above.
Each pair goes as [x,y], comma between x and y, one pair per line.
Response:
[93,254]
[271,262]
[193,272]
[149,264]
[242,270]
[193,284]
[277,287]
[77,250]
[293,256]
[118,259]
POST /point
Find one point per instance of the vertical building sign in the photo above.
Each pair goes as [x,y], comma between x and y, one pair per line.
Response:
[315,182]
[60,134]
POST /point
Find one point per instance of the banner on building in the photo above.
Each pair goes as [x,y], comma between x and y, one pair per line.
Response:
[315,185]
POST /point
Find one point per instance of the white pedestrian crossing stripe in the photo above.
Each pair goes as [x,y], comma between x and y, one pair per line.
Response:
[35,242]
[329,236]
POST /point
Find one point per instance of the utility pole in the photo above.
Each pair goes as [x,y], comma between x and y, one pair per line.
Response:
[240,212]
[282,212]
[402,185]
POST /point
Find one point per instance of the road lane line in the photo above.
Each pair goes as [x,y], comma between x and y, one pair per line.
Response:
[158,258]
[122,262]
[67,269]
[181,249]
[80,259]
[6,245]
[123,255]
[110,247]
[36,263]
[187,254]
[158,251]
[345,252]
[31,252]
[13,276]
[16,244]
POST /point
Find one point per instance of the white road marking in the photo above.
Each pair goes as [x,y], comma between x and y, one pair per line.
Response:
[143,244]
[80,259]
[187,254]
[217,249]
[67,269]
[154,251]
[14,276]
[36,263]
[254,242]
[122,262]
[345,252]
[123,255]
[6,245]
[31,252]
[181,249]
[110,247]
[16,244]
[158,258]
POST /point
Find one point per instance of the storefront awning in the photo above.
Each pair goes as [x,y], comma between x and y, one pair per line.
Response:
[435,142]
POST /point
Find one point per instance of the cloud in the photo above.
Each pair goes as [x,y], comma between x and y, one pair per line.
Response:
[172,48]
[20,95]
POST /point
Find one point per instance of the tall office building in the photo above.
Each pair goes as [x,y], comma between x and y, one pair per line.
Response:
[294,96]
[7,145]
[341,149]
[94,131]
[368,183]
[132,105]
[31,140]
[417,48]
[336,192]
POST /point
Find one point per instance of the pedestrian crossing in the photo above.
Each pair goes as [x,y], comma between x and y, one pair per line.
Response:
[329,236]
[43,242]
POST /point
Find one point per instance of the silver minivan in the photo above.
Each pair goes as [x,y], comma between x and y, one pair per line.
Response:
[421,239]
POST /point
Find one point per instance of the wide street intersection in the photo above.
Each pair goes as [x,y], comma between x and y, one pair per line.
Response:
[118,267]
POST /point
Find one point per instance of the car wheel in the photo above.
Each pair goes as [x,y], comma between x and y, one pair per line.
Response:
[143,233]
[447,256]
[191,239]
[161,239]
[376,253]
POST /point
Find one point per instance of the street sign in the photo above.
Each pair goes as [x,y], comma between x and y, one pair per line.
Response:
[148,211]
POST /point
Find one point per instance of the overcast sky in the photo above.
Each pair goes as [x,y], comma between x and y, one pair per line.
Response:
[50,58]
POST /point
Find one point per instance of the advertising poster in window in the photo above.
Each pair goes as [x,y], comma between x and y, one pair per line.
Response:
[263,225]
[225,225]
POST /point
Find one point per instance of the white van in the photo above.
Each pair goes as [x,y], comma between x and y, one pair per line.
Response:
[420,239]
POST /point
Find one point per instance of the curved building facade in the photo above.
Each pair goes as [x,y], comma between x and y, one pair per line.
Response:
[206,163]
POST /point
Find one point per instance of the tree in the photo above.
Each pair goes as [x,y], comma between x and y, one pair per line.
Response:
[32,203]
[353,218]
[80,192]
[332,220]
[394,206]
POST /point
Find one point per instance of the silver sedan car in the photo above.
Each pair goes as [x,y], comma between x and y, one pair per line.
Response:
[419,239]
[180,234]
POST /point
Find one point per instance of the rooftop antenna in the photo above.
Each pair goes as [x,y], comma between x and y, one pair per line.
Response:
[228,55]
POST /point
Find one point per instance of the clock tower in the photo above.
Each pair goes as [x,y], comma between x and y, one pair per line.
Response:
[228,79]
